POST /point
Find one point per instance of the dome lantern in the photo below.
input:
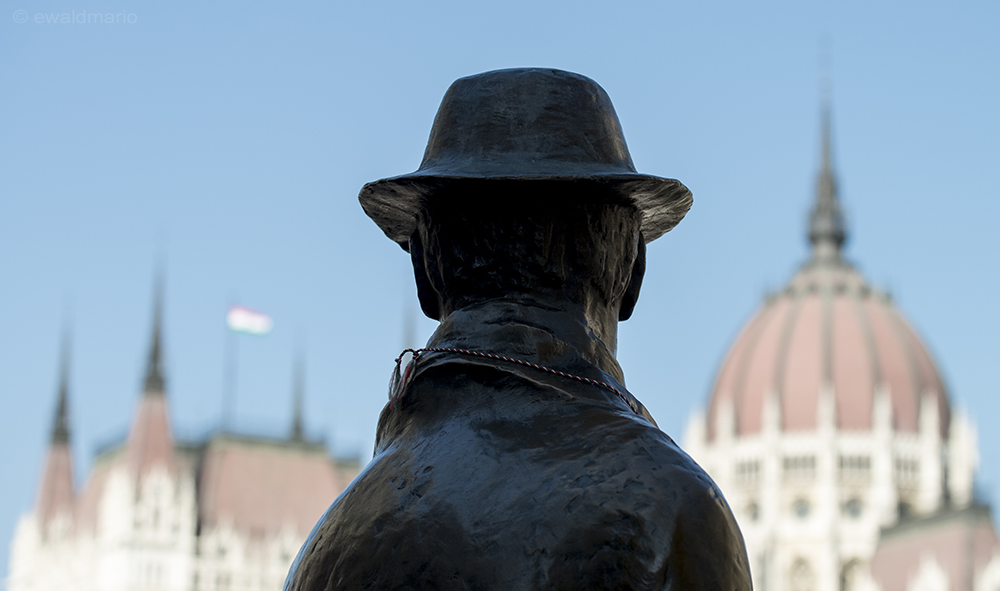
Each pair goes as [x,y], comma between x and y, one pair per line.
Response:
[827,231]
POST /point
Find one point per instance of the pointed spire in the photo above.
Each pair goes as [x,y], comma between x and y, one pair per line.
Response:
[298,392]
[827,231]
[55,491]
[154,382]
[150,442]
[60,425]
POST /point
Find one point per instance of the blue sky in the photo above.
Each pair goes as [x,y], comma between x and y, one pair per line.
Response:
[229,141]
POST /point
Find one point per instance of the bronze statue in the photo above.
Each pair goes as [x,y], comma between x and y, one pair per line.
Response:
[510,455]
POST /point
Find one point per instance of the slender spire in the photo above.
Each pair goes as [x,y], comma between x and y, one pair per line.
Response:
[60,426]
[55,491]
[827,231]
[150,442]
[154,382]
[298,391]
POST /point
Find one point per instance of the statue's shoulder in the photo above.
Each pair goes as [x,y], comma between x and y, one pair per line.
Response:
[653,457]
[707,546]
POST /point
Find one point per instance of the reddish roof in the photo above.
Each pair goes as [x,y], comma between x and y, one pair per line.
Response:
[263,485]
[827,327]
[961,541]
[255,485]
[55,492]
[150,442]
[88,503]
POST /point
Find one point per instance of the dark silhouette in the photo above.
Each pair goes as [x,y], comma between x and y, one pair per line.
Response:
[510,455]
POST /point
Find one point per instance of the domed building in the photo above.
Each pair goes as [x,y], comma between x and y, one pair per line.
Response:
[829,421]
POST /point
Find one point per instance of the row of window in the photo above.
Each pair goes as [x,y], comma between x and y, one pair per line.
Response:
[907,469]
[799,465]
[224,581]
[153,521]
[855,464]
[149,575]
[749,470]
[850,467]
[802,578]
[284,555]
[802,508]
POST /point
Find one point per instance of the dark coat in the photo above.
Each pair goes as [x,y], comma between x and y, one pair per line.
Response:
[491,475]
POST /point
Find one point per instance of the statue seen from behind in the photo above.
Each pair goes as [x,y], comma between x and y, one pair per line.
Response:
[511,455]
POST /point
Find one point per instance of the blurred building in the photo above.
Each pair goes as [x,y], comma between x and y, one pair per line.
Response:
[830,430]
[227,513]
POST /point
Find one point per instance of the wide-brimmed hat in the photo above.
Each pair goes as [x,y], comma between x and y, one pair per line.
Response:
[525,125]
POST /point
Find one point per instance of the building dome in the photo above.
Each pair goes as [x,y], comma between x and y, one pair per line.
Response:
[828,330]
[829,421]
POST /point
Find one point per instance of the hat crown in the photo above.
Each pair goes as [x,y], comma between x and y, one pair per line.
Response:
[526,121]
[524,125]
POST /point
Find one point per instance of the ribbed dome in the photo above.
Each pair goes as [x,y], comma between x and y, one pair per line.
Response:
[828,328]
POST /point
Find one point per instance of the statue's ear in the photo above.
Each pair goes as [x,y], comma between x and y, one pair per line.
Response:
[430,302]
[631,295]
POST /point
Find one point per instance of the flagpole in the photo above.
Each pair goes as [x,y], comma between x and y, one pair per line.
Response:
[238,320]
[229,392]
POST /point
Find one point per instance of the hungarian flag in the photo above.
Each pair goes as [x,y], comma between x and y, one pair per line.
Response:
[247,321]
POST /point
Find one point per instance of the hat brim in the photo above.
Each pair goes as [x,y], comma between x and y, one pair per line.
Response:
[394,203]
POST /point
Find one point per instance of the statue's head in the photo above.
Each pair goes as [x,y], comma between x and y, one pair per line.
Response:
[526,188]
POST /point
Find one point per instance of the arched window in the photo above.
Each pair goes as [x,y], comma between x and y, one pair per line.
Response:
[852,508]
[850,575]
[801,578]
[801,508]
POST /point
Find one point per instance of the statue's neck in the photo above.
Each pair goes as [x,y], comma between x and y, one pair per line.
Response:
[532,332]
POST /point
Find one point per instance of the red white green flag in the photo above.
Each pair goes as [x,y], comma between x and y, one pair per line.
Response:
[247,321]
